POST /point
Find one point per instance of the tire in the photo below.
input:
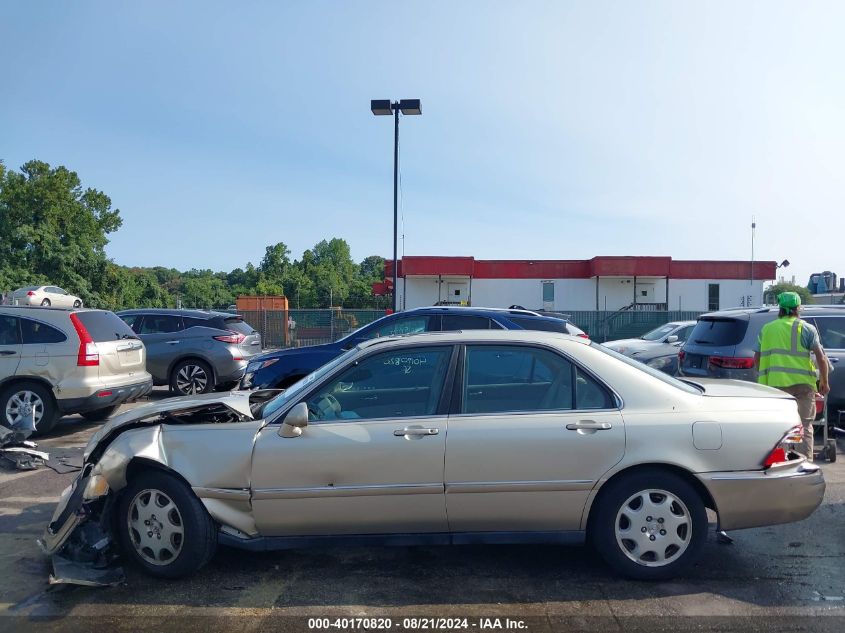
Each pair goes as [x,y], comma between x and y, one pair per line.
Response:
[191,376]
[631,544]
[830,451]
[98,415]
[46,303]
[77,304]
[20,398]
[179,540]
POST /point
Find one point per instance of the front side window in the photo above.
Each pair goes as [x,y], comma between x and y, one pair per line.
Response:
[9,334]
[160,324]
[831,332]
[499,379]
[36,332]
[400,383]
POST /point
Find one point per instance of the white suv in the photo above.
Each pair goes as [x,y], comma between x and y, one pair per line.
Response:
[55,362]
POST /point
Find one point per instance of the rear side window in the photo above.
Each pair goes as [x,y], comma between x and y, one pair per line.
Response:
[831,331]
[37,332]
[236,324]
[454,322]
[160,324]
[9,330]
[104,326]
[542,325]
[719,331]
[194,322]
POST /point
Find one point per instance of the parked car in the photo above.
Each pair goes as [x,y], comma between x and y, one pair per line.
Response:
[282,368]
[194,351]
[523,436]
[45,296]
[674,333]
[722,345]
[56,361]
[663,357]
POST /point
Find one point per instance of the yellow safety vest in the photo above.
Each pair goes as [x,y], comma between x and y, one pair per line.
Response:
[784,361]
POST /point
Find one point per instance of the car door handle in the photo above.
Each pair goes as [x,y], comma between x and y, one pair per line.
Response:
[173,342]
[7,352]
[415,432]
[833,359]
[370,398]
[589,425]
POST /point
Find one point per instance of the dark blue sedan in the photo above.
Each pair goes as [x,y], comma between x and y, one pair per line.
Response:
[282,368]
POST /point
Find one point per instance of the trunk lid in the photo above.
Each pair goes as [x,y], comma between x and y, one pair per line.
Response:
[721,388]
[121,352]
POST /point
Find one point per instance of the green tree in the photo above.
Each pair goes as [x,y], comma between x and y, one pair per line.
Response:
[771,294]
[53,229]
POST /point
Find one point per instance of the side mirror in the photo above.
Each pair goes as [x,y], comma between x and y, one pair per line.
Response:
[672,339]
[295,421]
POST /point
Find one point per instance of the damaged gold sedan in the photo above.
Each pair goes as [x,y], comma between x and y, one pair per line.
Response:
[476,437]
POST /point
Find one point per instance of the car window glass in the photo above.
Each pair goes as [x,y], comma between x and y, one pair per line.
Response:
[160,323]
[396,384]
[402,325]
[103,326]
[589,394]
[683,333]
[453,322]
[548,324]
[237,324]
[37,332]
[194,322]
[9,334]
[831,331]
[515,378]
[658,333]
[719,331]
[132,320]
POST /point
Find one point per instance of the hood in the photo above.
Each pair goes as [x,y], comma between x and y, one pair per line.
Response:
[721,388]
[628,345]
[294,351]
[239,401]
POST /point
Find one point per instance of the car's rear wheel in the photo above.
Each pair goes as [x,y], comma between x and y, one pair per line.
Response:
[28,405]
[98,415]
[649,525]
[77,304]
[191,376]
[46,303]
[163,527]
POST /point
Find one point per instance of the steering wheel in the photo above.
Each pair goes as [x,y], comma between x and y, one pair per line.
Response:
[324,407]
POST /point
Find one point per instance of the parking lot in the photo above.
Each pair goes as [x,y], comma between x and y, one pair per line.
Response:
[778,577]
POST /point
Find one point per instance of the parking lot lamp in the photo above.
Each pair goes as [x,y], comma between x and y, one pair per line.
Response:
[384,107]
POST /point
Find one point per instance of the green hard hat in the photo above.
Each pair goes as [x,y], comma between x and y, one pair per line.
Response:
[789,300]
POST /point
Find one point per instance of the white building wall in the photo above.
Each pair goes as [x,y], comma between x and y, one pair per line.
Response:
[580,294]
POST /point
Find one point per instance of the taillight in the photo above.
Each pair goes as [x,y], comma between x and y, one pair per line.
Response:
[729,362]
[681,356]
[30,294]
[583,335]
[88,355]
[795,435]
[233,337]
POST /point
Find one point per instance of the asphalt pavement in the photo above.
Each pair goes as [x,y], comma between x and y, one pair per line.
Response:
[787,577]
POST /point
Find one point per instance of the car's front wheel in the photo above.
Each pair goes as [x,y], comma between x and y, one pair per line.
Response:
[163,527]
[649,525]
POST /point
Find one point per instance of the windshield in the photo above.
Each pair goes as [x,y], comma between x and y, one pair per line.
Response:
[296,388]
[658,333]
[655,373]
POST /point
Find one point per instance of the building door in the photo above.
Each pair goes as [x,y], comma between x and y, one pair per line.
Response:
[548,295]
[457,293]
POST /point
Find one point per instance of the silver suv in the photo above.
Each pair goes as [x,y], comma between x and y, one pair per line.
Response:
[55,361]
[194,351]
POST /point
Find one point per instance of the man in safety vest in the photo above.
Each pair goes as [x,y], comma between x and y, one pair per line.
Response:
[783,361]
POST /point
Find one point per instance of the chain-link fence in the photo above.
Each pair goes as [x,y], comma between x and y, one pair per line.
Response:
[298,328]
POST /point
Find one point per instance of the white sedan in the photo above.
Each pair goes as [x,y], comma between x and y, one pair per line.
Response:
[47,296]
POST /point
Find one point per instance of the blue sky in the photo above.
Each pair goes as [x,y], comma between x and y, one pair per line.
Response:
[551,130]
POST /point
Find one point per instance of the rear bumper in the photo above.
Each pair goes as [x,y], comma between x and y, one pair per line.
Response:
[106,397]
[784,493]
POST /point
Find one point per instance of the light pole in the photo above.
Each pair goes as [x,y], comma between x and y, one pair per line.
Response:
[384,107]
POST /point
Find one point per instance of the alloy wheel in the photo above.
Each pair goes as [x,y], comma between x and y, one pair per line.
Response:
[191,379]
[653,528]
[155,527]
[22,405]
